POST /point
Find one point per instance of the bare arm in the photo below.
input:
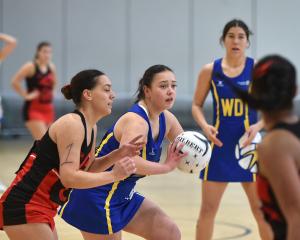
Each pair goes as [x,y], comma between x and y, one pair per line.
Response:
[201,92]
[9,45]
[26,70]
[69,145]
[129,149]
[277,156]
[127,130]
[53,69]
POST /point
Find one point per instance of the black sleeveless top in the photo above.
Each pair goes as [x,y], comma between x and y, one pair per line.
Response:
[38,173]
[43,82]
[270,208]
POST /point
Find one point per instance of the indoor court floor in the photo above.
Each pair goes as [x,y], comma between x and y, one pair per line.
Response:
[177,193]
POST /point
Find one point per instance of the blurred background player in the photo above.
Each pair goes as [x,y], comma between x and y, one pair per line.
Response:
[61,159]
[117,207]
[9,44]
[274,87]
[232,119]
[40,76]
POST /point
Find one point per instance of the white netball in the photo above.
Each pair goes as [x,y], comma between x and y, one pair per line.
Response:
[247,156]
[198,149]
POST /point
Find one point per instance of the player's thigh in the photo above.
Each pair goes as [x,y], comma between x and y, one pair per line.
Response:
[32,231]
[212,193]
[93,236]
[151,222]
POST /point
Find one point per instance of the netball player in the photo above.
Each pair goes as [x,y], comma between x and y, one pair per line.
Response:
[61,159]
[40,77]
[273,90]
[106,211]
[232,119]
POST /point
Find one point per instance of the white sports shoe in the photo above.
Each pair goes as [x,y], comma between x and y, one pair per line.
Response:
[2,187]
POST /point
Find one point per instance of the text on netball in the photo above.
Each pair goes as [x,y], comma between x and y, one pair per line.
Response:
[190,144]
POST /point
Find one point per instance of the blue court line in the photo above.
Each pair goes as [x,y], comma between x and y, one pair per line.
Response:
[246,231]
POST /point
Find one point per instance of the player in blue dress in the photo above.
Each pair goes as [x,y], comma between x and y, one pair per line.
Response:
[103,212]
[232,118]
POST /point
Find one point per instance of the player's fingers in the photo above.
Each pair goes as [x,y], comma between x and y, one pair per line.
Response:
[135,139]
[216,141]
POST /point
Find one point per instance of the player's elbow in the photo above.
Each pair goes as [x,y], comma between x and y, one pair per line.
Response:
[14,83]
[13,43]
[196,108]
[68,180]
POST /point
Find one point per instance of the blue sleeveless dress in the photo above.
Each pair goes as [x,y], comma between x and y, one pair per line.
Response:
[231,118]
[108,209]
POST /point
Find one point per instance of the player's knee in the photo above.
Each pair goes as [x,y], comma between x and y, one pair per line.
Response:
[175,232]
[257,212]
[208,210]
[170,232]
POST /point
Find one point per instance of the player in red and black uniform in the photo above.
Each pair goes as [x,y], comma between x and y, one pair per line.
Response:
[40,76]
[40,108]
[59,161]
[274,87]
[279,181]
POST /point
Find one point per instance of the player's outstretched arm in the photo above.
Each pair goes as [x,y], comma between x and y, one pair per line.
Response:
[9,45]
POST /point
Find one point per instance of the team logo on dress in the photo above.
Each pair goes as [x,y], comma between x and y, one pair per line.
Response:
[152,153]
[220,83]
[129,197]
[244,83]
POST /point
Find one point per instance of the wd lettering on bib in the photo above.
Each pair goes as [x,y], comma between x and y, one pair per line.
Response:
[232,107]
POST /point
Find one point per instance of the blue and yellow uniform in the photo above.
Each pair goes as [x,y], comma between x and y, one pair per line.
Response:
[231,118]
[108,209]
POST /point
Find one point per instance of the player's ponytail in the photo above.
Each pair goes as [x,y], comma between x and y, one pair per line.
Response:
[66,91]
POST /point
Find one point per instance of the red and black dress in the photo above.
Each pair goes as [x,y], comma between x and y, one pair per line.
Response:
[36,192]
[270,208]
[41,108]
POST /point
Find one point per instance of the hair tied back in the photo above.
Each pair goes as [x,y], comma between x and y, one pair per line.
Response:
[67,91]
[263,69]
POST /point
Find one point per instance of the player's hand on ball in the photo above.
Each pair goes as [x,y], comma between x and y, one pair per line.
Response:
[174,155]
[123,168]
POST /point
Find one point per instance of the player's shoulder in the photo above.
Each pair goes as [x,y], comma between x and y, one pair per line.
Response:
[207,68]
[171,119]
[130,119]
[52,66]
[70,122]
[277,136]
[129,116]
[169,115]
[276,141]
[29,66]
